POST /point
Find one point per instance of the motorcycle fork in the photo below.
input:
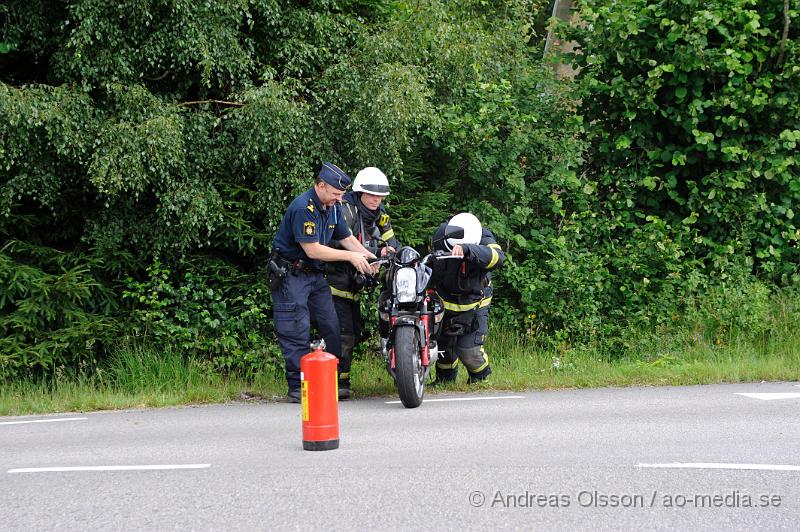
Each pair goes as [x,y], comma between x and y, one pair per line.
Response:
[424,318]
[424,330]
[391,338]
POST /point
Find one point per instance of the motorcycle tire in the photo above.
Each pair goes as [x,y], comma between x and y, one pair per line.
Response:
[409,372]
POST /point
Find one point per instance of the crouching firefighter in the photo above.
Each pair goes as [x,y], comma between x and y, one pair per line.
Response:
[300,249]
[465,287]
[368,221]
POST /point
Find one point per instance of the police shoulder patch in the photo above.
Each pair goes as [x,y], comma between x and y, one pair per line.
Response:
[309,228]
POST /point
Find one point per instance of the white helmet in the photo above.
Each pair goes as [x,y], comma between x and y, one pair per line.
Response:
[472,229]
[372,181]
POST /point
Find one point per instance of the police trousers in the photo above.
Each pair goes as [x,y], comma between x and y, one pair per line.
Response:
[300,299]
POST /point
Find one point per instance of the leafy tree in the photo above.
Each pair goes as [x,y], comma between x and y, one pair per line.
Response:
[148,150]
[154,146]
[694,119]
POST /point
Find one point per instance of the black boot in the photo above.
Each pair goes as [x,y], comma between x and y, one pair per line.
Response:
[348,344]
[293,396]
[445,376]
[344,389]
[480,376]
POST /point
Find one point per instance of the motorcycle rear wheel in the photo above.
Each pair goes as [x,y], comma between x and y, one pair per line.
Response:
[409,372]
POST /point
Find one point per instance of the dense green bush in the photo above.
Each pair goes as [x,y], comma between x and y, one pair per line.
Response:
[56,309]
[148,151]
[207,310]
[693,116]
[690,177]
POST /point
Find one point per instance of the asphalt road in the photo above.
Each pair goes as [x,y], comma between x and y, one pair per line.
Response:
[699,458]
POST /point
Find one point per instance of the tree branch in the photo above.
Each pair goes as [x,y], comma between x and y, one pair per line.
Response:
[159,78]
[220,102]
[785,29]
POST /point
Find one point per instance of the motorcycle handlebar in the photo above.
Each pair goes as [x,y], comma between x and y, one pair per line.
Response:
[435,255]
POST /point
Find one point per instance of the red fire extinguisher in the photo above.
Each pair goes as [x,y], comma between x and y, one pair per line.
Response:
[320,399]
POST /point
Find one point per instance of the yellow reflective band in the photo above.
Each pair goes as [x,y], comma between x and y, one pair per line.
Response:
[387,235]
[442,365]
[495,258]
[495,245]
[344,375]
[455,307]
[343,294]
[483,366]
[383,219]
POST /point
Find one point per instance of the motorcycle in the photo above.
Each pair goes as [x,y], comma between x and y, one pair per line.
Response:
[414,313]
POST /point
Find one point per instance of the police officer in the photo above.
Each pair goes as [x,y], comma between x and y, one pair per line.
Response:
[465,288]
[300,293]
[364,214]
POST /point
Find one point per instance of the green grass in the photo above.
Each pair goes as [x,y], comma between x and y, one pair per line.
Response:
[696,351]
[135,377]
[520,365]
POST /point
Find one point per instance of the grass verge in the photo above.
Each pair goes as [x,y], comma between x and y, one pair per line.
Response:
[135,377]
[692,353]
[519,365]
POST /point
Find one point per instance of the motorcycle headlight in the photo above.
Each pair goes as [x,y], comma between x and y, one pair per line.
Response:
[405,284]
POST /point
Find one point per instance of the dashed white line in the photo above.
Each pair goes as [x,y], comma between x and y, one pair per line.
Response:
[108,468]
[464,399]
[771,396]
[54,420]
[701,465]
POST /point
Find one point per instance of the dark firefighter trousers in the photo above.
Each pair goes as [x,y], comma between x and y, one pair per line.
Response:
[350,324]
[462,339]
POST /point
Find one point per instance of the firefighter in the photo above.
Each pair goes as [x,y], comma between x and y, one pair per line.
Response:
[369,222]
[300,293]
[465,287]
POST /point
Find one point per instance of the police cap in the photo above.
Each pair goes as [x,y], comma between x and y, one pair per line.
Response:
[334,176]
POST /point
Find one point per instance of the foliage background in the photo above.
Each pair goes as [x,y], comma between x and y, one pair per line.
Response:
[148,149]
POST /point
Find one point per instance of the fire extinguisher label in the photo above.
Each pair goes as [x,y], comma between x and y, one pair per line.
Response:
[304,399]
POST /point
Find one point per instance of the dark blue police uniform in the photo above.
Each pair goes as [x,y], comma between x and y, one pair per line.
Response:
[304,295]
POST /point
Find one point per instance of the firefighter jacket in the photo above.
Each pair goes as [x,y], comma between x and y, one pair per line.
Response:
[466,284]
[363,223]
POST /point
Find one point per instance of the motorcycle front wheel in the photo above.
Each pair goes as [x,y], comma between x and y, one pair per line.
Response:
[409,372]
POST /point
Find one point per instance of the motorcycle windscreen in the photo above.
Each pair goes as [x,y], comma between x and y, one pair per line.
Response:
[423,277]
[407,255]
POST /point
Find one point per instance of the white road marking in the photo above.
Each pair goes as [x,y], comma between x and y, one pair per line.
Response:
[107,468]
[464,399]
[771,396]
[767,467]
[43,420]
